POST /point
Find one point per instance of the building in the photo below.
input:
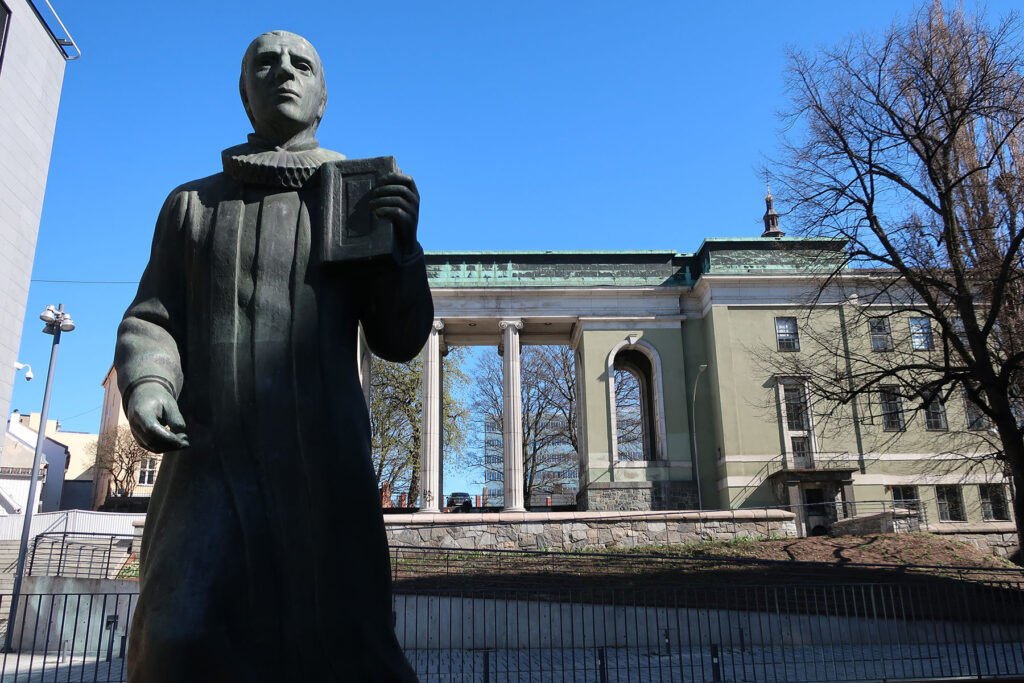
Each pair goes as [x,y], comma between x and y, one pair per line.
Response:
[141,466]
[65,472]
[32,58]
[710,422]
[77,453]
[552,465]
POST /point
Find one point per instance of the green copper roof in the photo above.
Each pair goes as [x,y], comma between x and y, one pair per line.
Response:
[636,268]
[653,268]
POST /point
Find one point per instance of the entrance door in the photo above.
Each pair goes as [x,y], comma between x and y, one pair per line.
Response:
[818,521]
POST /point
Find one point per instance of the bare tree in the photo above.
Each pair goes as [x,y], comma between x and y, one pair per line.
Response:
[395,418]
[548,385]
[118,458]
[908,147]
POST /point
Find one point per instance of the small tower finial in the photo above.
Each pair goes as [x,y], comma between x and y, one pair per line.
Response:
[771,217]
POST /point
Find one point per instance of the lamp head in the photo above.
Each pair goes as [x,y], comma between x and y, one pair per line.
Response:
[49,315]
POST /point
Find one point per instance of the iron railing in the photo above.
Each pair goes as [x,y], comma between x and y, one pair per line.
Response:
[531,616]
[79,555]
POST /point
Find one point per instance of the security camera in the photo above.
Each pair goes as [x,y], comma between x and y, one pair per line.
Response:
[23,366]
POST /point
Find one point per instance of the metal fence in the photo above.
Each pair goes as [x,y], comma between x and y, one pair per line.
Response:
[81,555]
[504,616]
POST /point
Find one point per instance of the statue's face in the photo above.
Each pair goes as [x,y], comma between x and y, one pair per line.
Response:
[283,85]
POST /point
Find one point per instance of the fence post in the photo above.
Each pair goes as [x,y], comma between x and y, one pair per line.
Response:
[60,555]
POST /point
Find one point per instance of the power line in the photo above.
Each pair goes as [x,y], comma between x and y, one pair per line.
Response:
[91,282]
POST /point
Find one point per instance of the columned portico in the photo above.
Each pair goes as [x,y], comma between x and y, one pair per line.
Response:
[512,411]
[430,449]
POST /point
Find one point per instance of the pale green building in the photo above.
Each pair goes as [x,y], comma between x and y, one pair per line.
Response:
[719,424]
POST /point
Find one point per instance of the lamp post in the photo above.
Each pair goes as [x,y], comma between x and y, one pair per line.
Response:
[693,434]
[57,321]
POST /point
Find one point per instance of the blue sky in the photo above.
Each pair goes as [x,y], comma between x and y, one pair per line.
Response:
[527,125]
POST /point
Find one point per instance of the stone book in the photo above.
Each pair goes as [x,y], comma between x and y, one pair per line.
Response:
[351,229]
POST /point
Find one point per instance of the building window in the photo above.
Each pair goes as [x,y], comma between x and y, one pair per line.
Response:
[881,334]
[961,333]
[905,496]
[5,22]
[977,420]
[797,422]
[801,446]
[795,396]
[892,408]
[921,334]
[993,503]
[934,413]
[147,471]
[786,334]
[951,504]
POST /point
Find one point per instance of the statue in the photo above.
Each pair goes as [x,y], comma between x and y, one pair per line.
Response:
[264,556]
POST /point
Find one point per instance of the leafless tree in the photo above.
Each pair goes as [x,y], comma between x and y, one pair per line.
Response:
[548,382]
[118,458]
[908,147]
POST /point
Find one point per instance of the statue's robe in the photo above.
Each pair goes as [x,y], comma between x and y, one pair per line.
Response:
[264,556]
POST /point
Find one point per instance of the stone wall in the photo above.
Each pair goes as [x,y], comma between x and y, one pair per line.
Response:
[888,522]
[630,495]
[580,530]
[997,538]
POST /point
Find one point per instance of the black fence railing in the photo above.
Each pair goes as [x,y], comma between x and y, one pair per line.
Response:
[80,555]
[530,616]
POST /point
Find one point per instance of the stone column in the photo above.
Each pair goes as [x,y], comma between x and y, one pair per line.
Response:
[512,409]
[430,432]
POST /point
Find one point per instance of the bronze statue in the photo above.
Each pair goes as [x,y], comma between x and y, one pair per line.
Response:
[264,556]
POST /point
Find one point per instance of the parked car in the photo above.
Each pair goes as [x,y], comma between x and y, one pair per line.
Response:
[459,499]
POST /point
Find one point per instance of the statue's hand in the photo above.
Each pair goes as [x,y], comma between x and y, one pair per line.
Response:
[397,199]
[150,408]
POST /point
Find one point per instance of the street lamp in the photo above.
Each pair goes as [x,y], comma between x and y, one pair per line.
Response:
[57,321]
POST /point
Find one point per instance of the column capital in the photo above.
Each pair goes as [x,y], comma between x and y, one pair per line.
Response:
[438,324]
[510,322]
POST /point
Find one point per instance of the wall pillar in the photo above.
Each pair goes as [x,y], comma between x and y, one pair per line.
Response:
[512,411]
[796,501]
[430,431]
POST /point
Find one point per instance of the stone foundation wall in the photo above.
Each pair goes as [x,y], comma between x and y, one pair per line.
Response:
[638,496]
[997,538]
[580,530]
[888,522]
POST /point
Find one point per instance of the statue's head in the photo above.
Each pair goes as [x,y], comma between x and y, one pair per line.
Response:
[282,86]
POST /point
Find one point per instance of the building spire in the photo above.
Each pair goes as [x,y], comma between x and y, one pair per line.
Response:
[771,217]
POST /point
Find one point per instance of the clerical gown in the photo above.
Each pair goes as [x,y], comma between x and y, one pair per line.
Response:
[264,556]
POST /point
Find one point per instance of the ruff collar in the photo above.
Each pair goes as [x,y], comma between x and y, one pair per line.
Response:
[258,162]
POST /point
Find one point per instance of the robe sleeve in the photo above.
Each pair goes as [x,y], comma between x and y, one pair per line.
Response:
[150,336]
[396,308]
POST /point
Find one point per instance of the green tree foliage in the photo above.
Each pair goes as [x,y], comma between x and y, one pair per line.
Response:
[396,407]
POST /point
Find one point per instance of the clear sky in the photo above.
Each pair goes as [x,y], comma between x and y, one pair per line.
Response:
[527,125]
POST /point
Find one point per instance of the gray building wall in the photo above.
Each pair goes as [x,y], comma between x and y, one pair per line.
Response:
[31,77]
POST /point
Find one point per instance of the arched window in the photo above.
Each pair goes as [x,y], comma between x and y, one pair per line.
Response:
[637,423]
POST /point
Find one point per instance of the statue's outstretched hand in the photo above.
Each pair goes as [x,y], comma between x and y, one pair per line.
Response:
[150,408]
[397,199]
